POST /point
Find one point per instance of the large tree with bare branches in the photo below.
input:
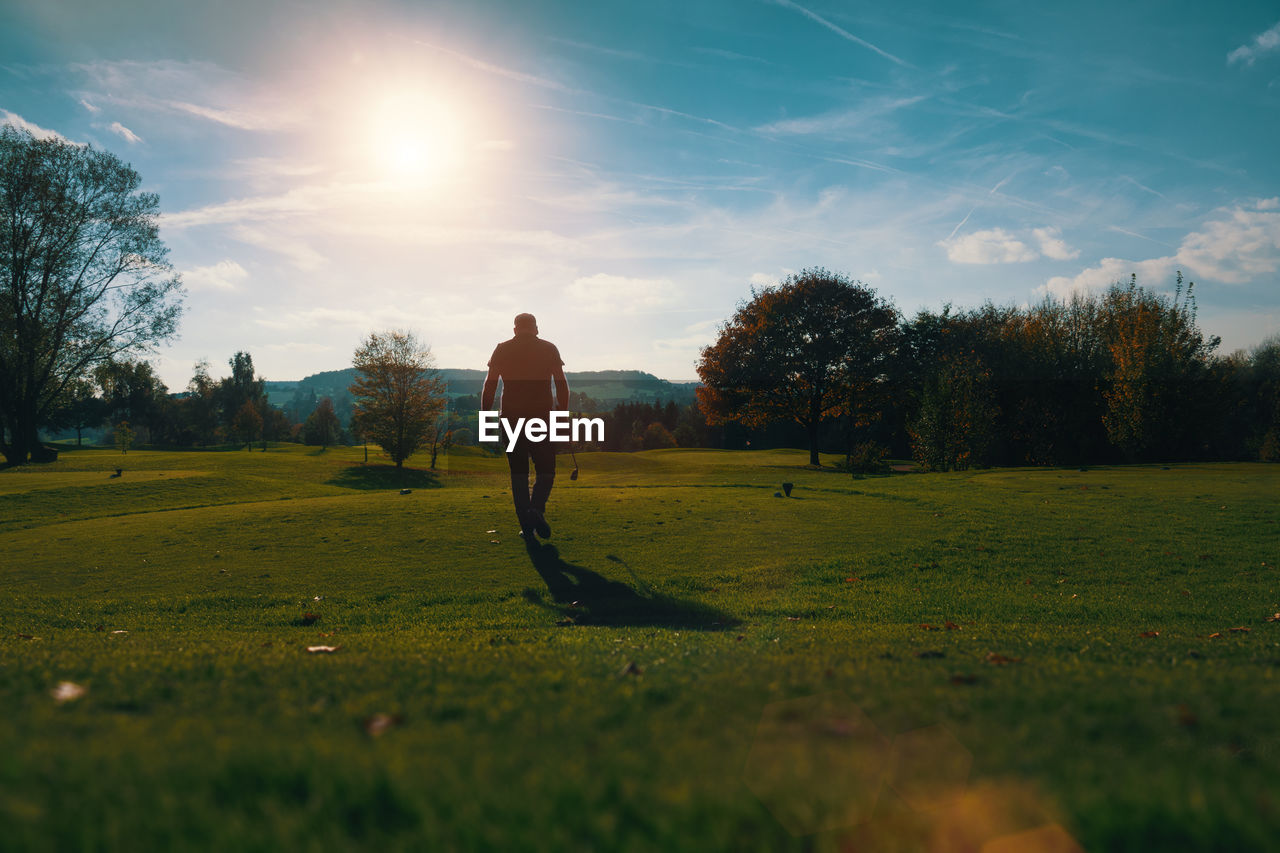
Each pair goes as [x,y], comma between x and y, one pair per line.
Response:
[84,277]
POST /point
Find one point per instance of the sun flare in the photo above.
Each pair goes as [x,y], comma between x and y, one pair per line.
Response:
[415,137]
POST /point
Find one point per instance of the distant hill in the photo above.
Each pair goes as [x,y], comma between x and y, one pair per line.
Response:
[606,386]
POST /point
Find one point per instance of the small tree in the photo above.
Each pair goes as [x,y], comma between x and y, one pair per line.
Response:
[124,436]
[398,392]
[322,426]
[247,424]
[657,437]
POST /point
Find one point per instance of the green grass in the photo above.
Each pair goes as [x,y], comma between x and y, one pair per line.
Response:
[690,643]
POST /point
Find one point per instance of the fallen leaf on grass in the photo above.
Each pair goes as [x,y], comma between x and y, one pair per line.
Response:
[67,691]
[1240,630]
[951,626]
[793,618]
[1274,618]
[1215,635]
[491,531]
[928,627]
[1001,660]
[379,723]
[1148,634]
[852,580]
[493,541]
[310,618]
[568,620]
[322,649]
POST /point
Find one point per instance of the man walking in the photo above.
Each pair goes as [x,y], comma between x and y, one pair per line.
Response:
[527,366]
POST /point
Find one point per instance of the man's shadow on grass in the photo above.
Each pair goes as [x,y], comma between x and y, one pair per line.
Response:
[585,597]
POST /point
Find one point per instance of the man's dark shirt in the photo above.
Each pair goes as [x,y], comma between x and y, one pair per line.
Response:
[526,364]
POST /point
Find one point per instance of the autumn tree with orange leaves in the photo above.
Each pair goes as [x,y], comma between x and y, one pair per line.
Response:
[1155,392]
[806,350]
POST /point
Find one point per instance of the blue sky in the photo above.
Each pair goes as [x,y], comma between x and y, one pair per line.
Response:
[628,171]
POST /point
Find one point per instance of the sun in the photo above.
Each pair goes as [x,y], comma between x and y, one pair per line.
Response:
[414,136]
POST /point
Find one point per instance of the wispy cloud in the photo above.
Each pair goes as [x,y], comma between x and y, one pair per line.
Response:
[129,136]
[499,70]
[840,31]
[1127,232]
[1129,180]
[833,121]
[225,275]
[31,127]
[200,89]
[603,293]
[1264,42]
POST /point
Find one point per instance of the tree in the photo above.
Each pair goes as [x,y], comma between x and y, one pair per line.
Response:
[802,351]
[124,436]
[132,392]
[241,387]
[1158,358]
[247,424]
[201,406]
[84,277]
[657,437]
[82,410]
[953,427]
[440,438]
[398,392]
[322,426]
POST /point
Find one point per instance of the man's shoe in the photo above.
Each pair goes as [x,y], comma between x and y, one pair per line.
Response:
[540,525]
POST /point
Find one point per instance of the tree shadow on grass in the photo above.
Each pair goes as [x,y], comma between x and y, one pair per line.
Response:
[373,477]
[589,598]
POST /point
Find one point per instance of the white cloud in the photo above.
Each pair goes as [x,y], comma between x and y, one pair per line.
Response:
[1241,244]
[200,89]
[31,127]
[1107,272]
[298,250]
[615,294]
[1052,245]
[695,337]
[90,107]
[1263,42]
[224,275]
[131,137]
[992,246]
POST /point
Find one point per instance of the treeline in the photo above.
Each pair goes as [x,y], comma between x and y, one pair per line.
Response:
[1126,375]
[1122,376]
[128,400]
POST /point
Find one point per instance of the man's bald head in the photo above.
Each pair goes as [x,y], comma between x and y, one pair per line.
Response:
[526,323]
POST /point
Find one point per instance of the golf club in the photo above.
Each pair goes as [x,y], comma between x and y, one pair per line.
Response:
[574,475]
